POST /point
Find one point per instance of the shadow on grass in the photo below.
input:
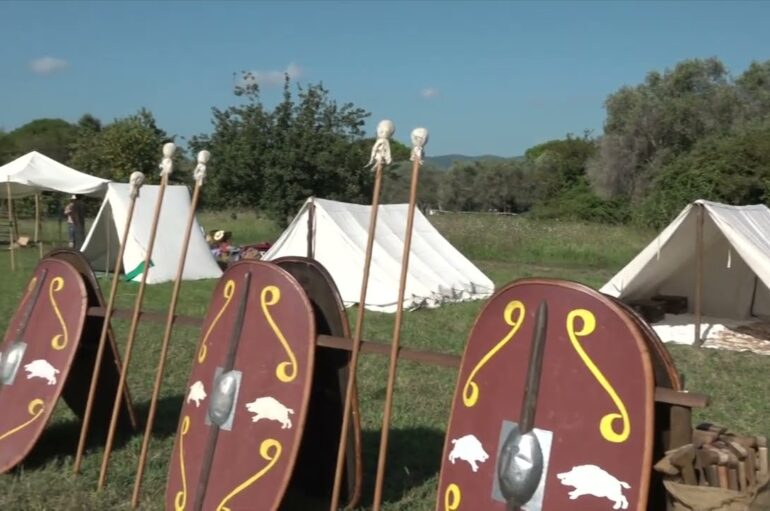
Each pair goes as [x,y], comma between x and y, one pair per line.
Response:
[60,439]
[414,457]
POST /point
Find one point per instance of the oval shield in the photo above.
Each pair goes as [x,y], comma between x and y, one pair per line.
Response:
[247,396]
[590,447]
[37,354]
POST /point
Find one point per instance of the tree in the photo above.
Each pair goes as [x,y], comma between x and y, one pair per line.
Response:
[124,146]
[307,145]
[732,169]
[652,123]
[52,137]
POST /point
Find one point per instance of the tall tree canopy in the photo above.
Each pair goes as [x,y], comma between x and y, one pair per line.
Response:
[116,150]
[274,159]
[52,137]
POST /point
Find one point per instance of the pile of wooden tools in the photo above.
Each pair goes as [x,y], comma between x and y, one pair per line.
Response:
[718,458]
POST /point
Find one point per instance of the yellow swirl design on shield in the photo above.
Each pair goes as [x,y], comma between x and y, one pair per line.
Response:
[36,407]
[606,425]
[265,449]
[285,371]
[471,388]
[59,341]
[180,499]
[452,497]
[228,293]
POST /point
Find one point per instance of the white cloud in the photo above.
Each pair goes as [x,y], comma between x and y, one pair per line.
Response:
[429,92]
[270,78]
[47,65]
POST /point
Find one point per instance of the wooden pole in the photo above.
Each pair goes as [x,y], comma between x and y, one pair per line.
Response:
[11,240]
[37,218]
[200,171]
[396,340]
[358,331]
[136,182]
[698,273]
[310,226]
[168,151]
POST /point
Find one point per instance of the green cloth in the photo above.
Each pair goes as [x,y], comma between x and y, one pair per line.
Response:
[137,271]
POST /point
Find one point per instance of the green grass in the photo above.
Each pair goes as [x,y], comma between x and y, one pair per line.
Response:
[505,248]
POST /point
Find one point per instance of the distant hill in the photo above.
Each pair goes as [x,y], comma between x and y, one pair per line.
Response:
[445,161]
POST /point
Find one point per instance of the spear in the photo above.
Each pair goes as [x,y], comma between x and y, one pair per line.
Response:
[380,155]
[419,139]
[166,166]
[136,180]
[199,174]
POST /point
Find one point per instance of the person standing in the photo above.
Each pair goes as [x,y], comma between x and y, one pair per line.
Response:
[76,221]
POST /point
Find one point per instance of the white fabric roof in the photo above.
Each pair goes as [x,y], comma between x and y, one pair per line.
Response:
[35,172]
[102,243]
[736,281]
[438,272]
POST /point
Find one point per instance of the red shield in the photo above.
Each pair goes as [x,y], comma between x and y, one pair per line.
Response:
[594,414]
[248,461]
[51,316]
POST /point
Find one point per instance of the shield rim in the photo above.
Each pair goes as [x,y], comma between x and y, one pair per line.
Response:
[56,396]
[355,494]
[79,261]
[639,336]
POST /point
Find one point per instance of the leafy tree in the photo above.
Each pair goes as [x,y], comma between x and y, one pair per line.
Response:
[733,169]
[52,137]
[124,146]
[307,145]
[652,123]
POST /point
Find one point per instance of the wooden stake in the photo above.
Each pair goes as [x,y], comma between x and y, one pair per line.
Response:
[203,158]
[396,340]
[11,240]
[168,151]
[358,331]
[136,182]
[698,273]
[310,228]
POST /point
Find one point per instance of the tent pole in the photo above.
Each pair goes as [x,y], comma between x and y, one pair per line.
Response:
[37,225]
[37,217]
[698,274]
[59,215]
[310,223]
[107,226]
[10,224]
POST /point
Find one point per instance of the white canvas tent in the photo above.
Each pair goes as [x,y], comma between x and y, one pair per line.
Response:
[35,172]
[438,272]
[102,243]
[736,262]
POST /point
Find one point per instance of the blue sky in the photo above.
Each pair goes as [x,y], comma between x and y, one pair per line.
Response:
[483,77]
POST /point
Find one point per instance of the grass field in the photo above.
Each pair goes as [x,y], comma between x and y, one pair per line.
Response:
[505,248]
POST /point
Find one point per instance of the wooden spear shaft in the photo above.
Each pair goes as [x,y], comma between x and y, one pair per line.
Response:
[131,335]
[103,338]
[357,335]
[164,347]
[396,340]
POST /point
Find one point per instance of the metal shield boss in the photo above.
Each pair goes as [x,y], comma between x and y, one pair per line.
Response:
[37,354]
[591,445]
[247,395]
